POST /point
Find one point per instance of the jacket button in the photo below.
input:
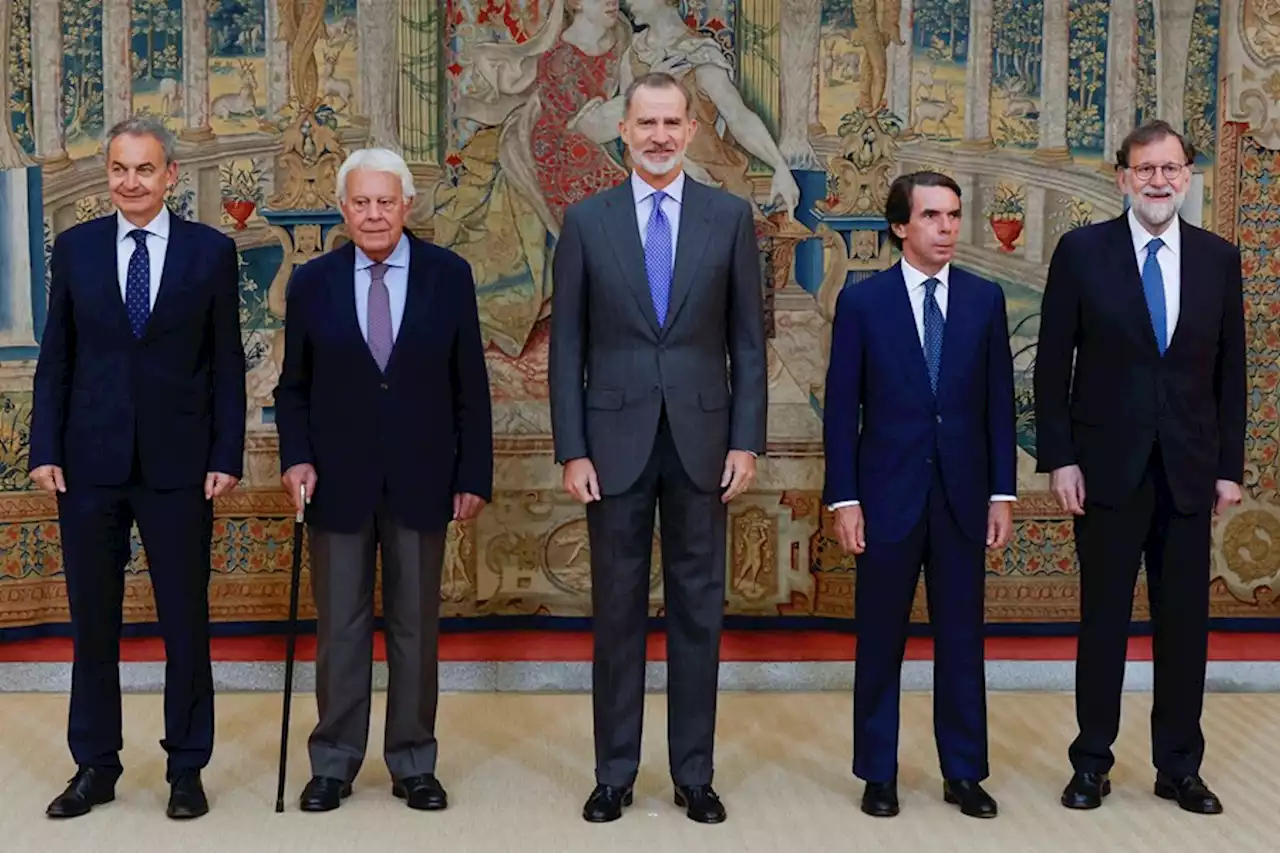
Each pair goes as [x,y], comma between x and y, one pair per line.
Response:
[938,418]
[384,386]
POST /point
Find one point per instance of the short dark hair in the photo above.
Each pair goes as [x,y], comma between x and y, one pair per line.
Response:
[1149,132]
[897,207]
[655,80]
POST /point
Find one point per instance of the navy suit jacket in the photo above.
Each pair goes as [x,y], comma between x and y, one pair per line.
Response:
[884,430]
[422,430]
[176,394]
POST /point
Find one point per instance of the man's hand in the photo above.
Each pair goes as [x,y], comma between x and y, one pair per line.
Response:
[49,478]
[217,484]
[999,524]
[466,506]
[1228,495]
[302,474]
[580,480]
[739,473]
[1067,485]
[850,529]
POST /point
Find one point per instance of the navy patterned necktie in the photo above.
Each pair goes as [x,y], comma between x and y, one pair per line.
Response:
[933,324]
[1153,288]
[137,291]
[657,257]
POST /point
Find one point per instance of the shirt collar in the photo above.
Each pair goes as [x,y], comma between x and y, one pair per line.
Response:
[1172,235]
[157,227]
[915,278]
[399,256]
[640,188]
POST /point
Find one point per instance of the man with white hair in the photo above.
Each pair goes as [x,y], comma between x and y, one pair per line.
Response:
[383,412]
[1143,445]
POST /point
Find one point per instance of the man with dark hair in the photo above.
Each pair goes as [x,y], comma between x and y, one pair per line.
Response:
[921,471]
[1140,396]
[657,286]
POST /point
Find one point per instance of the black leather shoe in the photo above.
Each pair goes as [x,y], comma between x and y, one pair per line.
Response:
[969,796]
[424,793]
[186,796]
[323,794]
[91,786]
[880,799]
[1191,793]
[700,803]
[605,803]
[1086,790]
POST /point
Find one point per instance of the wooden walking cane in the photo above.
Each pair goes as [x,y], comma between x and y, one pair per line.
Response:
[295,582]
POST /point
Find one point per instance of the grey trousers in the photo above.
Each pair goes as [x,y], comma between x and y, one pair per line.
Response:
[342,566]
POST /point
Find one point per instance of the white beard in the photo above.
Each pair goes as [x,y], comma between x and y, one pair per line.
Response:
[1157,212]
[653,165]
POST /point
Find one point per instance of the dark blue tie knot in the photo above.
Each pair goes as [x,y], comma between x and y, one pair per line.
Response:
[1154,245]
[139,236]
[931,286]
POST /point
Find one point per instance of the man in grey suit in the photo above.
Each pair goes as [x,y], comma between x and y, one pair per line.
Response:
[657,285]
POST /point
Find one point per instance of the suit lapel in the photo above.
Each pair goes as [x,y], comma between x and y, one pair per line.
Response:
[110,277]
[959,328]
[343,292]
[1132,291]
[1193,297]
[173,280]
[911,352]
[417,299]
[623,231]
[690,246]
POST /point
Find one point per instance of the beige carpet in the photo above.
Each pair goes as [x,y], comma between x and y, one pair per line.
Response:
[518,767]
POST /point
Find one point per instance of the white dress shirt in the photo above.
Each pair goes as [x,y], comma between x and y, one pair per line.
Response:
[671,205]
[915,282]
[1170,266]
[157,243]
[396,278]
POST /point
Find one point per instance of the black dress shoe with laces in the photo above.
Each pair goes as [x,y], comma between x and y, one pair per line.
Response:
[880,799]
[1086,790]
[969,796]
[323,794]
[605,803]
[91,786]
[700,803]
[424,793]
[1190,792]
[187,799]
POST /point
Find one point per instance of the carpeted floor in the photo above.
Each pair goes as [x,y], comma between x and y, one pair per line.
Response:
[518,767]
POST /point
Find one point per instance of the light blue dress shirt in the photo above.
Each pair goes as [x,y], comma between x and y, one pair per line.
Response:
[396,280]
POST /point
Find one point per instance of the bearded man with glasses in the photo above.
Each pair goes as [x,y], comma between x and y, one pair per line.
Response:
[1143,444]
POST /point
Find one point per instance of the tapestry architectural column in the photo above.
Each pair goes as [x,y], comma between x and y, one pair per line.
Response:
[12,156]
[277,62]
[117,70]
[46,65]
[898,91]
[977,76]
[1122,77]
[376,22]
[195,72]
[1055,37]
[1174,20]
[801,32]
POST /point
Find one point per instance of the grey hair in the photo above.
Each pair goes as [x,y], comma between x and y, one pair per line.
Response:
[376,160]
[143,126]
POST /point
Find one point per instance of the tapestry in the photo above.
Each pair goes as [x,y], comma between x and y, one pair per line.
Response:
[808,108]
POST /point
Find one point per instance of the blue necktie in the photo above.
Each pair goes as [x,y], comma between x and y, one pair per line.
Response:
[933,323]
[137,292]
[1153,287]
[657,257]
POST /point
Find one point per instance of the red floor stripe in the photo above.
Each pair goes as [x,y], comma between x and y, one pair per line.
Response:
[769,646]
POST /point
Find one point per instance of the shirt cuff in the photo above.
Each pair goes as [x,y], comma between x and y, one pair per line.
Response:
[838,504]
[995,498]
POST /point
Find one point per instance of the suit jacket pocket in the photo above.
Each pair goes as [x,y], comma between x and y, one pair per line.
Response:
[713,400]
[604,398]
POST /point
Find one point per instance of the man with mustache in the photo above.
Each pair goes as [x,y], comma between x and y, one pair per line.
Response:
[1144,443]
[921,472]
[657,285]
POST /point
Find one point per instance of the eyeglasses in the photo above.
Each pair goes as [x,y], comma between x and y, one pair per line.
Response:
[1147,171]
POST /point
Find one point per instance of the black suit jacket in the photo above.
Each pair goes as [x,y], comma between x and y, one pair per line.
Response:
[177,394]
[613,368]
[1123,395]
[423,430]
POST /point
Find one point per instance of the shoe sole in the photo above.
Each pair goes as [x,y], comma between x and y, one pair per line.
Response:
[68,815]
[401,794]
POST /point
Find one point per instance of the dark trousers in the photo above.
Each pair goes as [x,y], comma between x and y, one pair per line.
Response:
[620,529]
[343,567]
[176,527]
[1110,542]
[955,575]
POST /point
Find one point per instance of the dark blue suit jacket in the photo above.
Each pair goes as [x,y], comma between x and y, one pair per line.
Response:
[884,430]
[423,430]
[177,394]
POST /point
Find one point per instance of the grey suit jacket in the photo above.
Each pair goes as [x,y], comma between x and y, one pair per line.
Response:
[612,367]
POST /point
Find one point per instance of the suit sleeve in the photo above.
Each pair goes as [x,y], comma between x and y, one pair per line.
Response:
[567,353]
[293,390]
[227,453]
[843,403]
[1229,377]
[471,402]
[1001,420]
[54,367]
[1059,324]
[748,363]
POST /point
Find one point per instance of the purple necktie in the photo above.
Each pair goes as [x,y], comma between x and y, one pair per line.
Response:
[379,316]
